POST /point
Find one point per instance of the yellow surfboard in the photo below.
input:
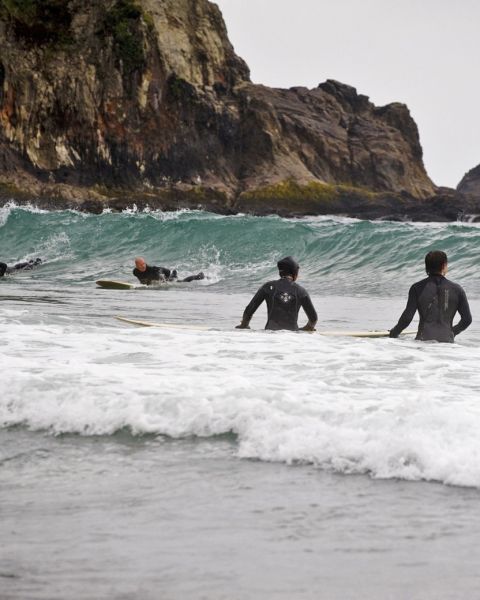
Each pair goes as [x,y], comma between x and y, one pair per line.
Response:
[108,284]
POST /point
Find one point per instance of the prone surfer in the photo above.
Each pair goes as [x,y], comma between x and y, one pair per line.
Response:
[284,297]
[437,300]
[21,266]
[148,274]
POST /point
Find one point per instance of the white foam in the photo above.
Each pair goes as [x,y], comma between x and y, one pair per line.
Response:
[383,407]
[323,219]
[55,247]
[175,215]
[10,206]
[5,211]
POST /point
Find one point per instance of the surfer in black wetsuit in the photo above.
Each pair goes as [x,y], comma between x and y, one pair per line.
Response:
[284,298]
[22,266]
[437,300]
[148,274]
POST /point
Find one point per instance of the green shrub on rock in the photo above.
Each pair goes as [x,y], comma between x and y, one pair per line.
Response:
[122,22]
[38,21]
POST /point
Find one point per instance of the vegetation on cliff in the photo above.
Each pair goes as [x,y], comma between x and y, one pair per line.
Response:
[38,21]
[311,198]
[123,23]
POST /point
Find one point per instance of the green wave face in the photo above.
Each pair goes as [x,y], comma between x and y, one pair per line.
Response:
[337,256]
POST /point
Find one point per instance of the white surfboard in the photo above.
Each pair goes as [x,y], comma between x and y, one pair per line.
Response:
[140,323]
[362,334]
[108,284]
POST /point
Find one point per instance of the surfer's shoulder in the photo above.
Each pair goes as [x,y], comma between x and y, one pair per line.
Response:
[268,287]
[418,286]
[301,290]
[456,286]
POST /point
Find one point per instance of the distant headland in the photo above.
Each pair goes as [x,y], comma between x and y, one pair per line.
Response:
[109,103]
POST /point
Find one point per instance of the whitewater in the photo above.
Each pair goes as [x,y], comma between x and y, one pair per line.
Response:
[181,460]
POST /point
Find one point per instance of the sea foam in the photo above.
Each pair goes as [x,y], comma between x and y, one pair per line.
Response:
[386,408]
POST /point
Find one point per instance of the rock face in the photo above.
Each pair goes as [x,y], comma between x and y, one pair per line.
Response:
[470,184]
[118,93]
[333,135]
[104,99]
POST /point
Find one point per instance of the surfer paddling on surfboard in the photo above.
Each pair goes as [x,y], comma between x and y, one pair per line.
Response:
[284,297]
[22,266]
[148,274]
[437,300]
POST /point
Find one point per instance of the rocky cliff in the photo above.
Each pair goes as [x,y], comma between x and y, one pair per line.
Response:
[109,101]
[470,183]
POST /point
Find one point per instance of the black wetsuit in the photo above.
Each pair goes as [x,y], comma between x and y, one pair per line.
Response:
[155,274]
[437,300]
[22,266]
[284,298]
[152,274]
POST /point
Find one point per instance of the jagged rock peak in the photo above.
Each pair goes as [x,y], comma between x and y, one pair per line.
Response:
[345,93]
[470,184]
[192,38]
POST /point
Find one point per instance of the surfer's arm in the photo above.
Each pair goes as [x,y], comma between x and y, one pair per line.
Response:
[407,315]
[251,308]
[310,312]
[465,315]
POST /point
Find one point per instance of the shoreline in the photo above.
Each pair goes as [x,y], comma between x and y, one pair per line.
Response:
[287,199]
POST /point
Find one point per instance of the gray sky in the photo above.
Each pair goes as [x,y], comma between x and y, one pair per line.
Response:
[424,53]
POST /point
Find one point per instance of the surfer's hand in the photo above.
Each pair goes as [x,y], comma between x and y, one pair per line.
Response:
[243,326]
[308,327]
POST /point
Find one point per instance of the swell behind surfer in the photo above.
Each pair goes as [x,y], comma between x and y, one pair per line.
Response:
[21,266]
[148,274]
[284,297]
[437,300]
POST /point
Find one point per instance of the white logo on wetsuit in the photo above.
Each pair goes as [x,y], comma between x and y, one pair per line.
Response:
[285,297]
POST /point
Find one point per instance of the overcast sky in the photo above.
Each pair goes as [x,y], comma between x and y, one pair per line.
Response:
[424,53]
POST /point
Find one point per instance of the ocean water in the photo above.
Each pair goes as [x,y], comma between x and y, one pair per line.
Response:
[226,464]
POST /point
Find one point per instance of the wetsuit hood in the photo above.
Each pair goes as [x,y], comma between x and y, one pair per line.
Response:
[288,266]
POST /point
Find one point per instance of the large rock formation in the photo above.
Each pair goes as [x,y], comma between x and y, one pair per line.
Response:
[114,100]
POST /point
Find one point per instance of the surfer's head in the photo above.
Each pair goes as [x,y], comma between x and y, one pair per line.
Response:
[288,267]
[436,263]
[140,264]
